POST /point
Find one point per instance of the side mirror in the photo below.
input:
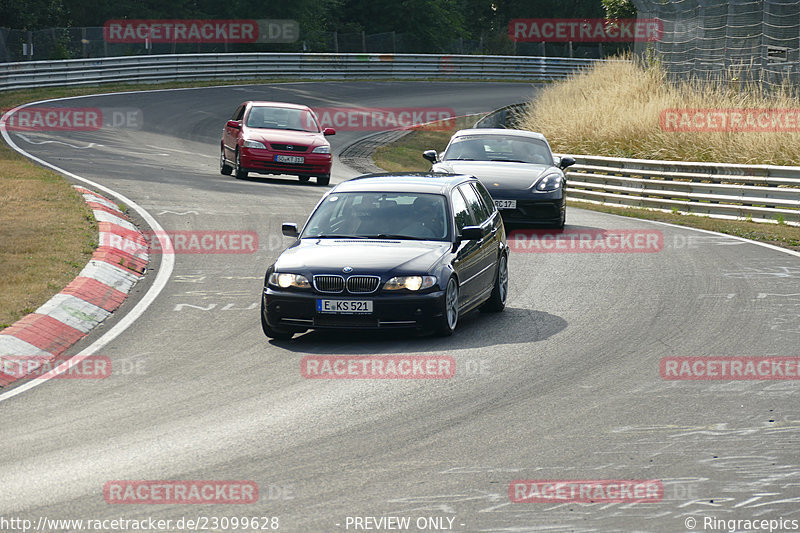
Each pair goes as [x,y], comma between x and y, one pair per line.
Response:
[329,131]
[234,124]
[566,161]
[471,233]
[430,155]
[289,229]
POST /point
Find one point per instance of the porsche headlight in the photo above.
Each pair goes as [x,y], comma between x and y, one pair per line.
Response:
[325,149]
[254,144]
[411,283]
[285,280]
[549,183]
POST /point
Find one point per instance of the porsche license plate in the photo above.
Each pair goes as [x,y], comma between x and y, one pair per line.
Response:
[345,307]
[296,159]
[506,204]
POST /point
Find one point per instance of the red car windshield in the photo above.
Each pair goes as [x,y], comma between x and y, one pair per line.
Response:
[281,118]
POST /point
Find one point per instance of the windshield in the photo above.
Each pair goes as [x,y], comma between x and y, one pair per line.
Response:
[499,148]
[376,215]
[281,118]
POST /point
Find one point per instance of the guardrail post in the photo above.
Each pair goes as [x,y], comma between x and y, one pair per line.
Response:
[27,48]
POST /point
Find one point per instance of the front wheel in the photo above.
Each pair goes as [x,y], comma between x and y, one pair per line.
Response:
[240,173]
[497,301]
[324,180]
[449,320]
[224,168]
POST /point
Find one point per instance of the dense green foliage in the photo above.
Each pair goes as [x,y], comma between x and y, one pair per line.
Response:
[427,24]
[619,9]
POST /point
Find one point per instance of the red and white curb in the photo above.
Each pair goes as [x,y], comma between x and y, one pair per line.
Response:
[90,298]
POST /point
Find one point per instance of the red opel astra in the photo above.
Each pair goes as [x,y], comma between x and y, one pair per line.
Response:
[276,138]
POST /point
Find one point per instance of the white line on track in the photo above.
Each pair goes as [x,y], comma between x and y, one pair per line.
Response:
[162,276]
[742,239]
[52,142]
[193,154]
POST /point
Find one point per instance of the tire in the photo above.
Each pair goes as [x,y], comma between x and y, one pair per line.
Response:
[497,301]
[224,168]
[274,333]
[304,179]
[449,320]
[324,180]
[563,221]
[240,174]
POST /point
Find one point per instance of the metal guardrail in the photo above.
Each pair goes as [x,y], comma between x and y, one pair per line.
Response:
[758,192]
[159,68]
[505,117]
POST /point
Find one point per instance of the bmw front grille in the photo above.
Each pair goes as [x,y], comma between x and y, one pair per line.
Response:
[355,284]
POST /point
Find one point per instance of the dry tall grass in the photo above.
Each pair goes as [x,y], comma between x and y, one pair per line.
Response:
[614,108]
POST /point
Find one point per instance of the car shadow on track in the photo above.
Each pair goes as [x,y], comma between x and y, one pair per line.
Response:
[475,330]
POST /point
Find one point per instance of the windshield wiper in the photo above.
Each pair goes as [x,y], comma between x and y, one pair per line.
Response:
[514,161]
[397,236]
[335,236]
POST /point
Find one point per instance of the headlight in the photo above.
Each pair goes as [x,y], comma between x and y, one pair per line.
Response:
[549,183]
[284,281]
[321,150]
[254,144]
[411,283]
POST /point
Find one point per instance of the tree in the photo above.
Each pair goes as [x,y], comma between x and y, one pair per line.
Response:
[619,9]
[32,14]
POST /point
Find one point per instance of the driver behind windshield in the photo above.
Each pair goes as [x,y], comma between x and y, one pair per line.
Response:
[428,219]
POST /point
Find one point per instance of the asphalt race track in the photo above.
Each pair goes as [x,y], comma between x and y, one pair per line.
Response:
[564,385]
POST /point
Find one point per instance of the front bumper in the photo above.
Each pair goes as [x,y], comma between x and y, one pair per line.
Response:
[263,162]
[295,309]
[544,209]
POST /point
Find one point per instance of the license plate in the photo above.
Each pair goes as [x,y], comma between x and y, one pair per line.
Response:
[345,307]
[290,159]
[506,204]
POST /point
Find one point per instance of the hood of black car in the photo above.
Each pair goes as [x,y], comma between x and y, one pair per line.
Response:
[373,256]
[494,174]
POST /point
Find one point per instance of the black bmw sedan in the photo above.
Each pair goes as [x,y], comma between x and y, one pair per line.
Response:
[408,250]
[526,181]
